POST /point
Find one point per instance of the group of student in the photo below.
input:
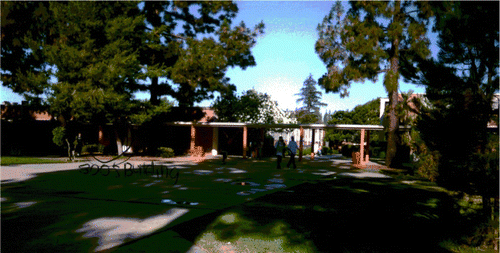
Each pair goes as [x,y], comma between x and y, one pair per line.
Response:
[281,148]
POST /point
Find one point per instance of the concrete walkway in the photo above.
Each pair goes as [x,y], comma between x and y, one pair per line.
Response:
[22,172]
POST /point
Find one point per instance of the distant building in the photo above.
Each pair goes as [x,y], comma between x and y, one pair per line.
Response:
[384,102]
[16,111]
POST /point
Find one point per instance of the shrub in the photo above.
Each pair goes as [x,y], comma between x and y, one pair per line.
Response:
[93,148]
[428,165]
[165,152]
[325,150]
[347,150]
[306,151]
[381,155]
[58,134]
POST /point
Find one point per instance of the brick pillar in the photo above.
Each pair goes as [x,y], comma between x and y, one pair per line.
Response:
[362,147]
[215,140]
[245,131]
[193,138]
[313,142]
[367,155]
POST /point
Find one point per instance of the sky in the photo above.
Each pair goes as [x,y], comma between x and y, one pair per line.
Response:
[285,57]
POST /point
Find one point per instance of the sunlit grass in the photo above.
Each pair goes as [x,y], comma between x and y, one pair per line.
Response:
[11,160]
[231,232]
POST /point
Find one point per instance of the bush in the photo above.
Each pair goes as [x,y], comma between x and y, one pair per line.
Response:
[325,150]
[58,134]
[428,164]
[93,148]
[348,149]
[165,152]
[306,151]
[381,155]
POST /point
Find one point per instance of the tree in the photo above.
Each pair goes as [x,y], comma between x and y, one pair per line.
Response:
[22,36]
[373,37]
[88,51]
[366,114]
[460,87]
[250,107]
[193,59]
[311,99]
[88,58]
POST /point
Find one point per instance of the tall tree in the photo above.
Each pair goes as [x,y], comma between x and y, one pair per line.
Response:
[373,37]
[251,107]
[460,87]
[23,37]
[311,99]
[88,51]
[190,45]
[88,58]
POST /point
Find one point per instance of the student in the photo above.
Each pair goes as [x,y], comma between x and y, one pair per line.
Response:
[292,146]
[280,149]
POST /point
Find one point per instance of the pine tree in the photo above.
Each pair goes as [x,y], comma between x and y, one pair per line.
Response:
[311,99]
[193,59]
[373,37]
[460,87]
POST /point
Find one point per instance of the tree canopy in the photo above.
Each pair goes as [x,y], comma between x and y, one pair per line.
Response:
[366,114]
[87,59]
[311,99]
[460,86]
[189,46]
[373,37]
[181,49]
[250,107]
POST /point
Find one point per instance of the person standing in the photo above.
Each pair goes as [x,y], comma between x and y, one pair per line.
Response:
[280,149]
[292,146]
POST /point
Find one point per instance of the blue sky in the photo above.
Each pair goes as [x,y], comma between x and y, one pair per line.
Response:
[285,56]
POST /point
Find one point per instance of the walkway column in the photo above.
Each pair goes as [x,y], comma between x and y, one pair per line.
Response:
[367,156]
[313,142]
[193,138]
[215,141]
[362,148]
[301,143]
[245,131]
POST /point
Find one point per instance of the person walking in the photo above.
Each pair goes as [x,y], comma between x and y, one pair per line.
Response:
[292,146]
[280,149]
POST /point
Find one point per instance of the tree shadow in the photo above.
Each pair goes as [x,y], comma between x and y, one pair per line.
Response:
[343,215]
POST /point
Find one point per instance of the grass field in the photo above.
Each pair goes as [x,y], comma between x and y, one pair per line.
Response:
[242,206]
[11,160]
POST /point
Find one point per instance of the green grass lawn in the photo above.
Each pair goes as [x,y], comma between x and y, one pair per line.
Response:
[11,160]
[238,206]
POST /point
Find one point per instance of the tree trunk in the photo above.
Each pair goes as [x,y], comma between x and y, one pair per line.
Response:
[118,142]
[69,150]
[391,83]
[487,207]
[392,137]
[154,91]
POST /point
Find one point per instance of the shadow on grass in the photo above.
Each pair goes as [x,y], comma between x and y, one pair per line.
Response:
[343,215]
[313,214]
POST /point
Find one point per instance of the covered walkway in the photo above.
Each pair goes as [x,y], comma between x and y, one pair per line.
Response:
[361,157]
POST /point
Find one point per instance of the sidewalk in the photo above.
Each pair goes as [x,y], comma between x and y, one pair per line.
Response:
[22,172]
